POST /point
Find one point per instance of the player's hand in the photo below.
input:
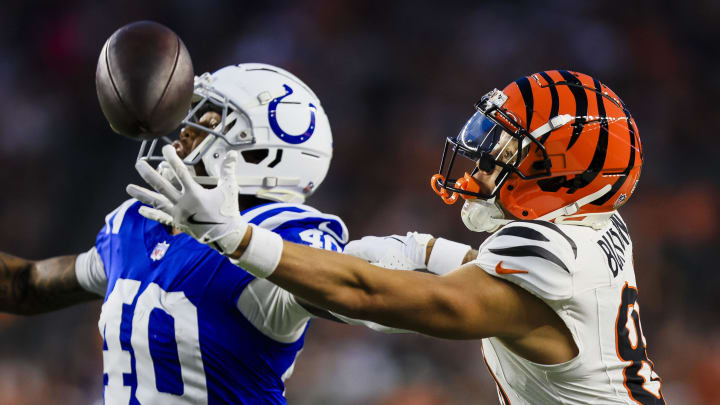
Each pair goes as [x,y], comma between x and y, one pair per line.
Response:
[209,215]
[394,251]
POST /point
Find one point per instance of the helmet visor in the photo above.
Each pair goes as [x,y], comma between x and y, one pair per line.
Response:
[480,134]
[486,142]
[485,146]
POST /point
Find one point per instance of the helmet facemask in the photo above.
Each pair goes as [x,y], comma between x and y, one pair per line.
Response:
[234,129]
[491,138]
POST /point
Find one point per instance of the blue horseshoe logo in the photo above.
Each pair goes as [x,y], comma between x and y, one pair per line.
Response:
[289,138]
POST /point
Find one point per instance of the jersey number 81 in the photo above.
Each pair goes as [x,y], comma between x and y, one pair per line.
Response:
[641,382]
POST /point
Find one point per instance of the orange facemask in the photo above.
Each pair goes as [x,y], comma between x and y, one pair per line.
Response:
[466,183]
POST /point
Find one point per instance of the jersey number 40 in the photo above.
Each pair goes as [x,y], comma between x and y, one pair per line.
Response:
[188,384]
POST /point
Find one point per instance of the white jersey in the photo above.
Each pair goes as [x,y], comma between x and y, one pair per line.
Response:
[586,276]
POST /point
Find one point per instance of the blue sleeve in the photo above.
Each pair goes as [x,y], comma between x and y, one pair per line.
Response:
[311,237]
[321,234]
[123,230]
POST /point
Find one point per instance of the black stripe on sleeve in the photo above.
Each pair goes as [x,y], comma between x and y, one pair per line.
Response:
[530,251]
[523,232]
[557,229]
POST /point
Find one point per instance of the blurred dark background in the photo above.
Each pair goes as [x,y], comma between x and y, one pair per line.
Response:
[395,78]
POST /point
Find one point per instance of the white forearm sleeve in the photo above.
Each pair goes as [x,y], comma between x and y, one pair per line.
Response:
[90,272]
[273,311]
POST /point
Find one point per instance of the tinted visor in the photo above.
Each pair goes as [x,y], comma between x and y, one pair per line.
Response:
[486,146]
[480,134]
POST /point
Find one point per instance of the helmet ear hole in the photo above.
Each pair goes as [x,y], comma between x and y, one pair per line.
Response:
[552,184]
[254,156]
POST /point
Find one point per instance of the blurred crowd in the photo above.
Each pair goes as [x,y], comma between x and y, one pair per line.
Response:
[395,78]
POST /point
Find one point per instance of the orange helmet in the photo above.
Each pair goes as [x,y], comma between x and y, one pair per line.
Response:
[578,148]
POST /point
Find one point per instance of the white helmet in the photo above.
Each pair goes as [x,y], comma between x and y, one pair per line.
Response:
[272,119]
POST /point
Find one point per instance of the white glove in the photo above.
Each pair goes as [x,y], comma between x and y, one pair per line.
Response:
[394,251]
[209,215]
[167,172]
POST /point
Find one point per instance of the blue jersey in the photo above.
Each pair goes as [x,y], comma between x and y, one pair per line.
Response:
[172,332]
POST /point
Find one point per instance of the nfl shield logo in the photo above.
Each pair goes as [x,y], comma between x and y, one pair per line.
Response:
[159,251]
[620,200]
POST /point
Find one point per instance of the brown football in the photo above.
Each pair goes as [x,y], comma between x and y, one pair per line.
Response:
[144,80]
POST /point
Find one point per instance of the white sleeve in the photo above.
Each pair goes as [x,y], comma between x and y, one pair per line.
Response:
[273,311]
[90,272]
[536,255]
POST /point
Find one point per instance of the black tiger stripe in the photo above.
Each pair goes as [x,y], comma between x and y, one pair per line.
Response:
[555,228]
[530,251]
[526,91]
[555,104]
[631,162]
[581,105]
[523,232]
[598,160]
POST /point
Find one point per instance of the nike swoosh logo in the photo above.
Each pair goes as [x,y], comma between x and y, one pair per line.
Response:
[191,220]
[392,237]
[499,269]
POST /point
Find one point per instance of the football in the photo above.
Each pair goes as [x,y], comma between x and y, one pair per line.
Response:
[144,80]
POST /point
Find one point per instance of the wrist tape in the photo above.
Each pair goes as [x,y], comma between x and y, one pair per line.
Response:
[446,256]
[263,253]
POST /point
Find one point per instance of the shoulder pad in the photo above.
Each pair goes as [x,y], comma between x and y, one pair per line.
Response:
[114,220]
[536,255]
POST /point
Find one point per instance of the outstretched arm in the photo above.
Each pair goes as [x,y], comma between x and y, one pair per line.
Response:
[466,303]
[31,287]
